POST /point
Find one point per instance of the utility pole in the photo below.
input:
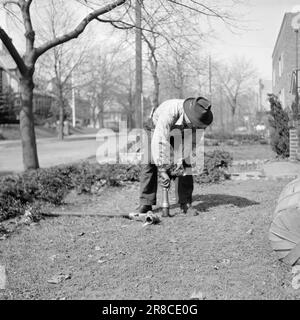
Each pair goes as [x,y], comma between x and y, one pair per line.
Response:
[138,65]
[221,109]
[210,84]
[297,67]
[210,78]
[73,102]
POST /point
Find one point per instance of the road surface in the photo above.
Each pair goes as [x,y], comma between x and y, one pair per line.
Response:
[53,152]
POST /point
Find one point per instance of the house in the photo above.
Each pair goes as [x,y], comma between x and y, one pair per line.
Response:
[284,61]
[9,86]
[10,102]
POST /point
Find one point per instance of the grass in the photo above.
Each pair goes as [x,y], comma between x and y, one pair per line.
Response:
[115,258]
[247,152]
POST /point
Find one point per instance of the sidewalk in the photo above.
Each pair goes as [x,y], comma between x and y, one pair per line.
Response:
[12,143]
[264,169]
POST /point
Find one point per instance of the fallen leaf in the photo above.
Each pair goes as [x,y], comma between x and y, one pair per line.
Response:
[97,248]
[81,234]
[3,230]
[250,231]
[216,267]
[2,278]
[296,282]
[226,262]
[59,278]
[197,295]
[52,258]
[296,269]
[101,261]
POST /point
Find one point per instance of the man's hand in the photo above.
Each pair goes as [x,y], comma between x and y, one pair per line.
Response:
[165,180]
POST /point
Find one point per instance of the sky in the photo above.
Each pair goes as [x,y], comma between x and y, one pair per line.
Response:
[263,19]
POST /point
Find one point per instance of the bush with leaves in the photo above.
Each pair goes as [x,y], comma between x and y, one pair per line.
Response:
[34,188]
[279,123]
[215,164]
[245,138]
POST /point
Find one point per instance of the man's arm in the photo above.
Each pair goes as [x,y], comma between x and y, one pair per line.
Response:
[160,145]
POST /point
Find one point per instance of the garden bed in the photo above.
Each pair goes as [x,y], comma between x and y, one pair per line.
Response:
[224,252]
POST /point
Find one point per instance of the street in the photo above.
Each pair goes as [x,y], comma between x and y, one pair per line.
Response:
[50,152]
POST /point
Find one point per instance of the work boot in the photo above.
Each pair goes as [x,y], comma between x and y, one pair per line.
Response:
[144,208]
[188,209]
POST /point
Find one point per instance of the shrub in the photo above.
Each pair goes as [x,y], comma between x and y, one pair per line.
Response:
[1,136]
[34,188]
[215,163]
[278,121]
[247,138]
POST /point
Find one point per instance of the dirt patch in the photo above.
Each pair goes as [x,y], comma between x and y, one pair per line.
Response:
[115,258]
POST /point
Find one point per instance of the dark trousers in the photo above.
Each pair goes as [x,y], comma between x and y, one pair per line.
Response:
[148,186]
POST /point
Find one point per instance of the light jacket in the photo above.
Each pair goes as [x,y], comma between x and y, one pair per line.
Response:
[169,116]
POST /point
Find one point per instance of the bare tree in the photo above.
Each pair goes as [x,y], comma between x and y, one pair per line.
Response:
[237,78]
[102,70]
[124,93]
[59,63]
[26,65]
[166,27]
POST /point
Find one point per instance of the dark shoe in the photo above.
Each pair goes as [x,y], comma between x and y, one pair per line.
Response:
[144,208]
[187,209]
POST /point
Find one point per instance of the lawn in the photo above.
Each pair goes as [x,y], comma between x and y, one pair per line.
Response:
[247,152]
[224,252]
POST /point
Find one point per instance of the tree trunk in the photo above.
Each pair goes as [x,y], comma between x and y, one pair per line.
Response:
[232,119]
[156,90]
[101,115]
[61,122]
[30,157]
[61,114]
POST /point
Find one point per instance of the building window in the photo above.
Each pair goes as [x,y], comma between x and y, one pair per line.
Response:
[280,65]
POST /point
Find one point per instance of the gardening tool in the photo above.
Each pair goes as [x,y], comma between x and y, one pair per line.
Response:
[165,202]
[147,218]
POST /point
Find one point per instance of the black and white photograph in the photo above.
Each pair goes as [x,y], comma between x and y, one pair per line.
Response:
[149,151]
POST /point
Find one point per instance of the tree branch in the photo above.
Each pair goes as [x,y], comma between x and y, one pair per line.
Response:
[5,3]
[79,29]
[13,51]
[29,33]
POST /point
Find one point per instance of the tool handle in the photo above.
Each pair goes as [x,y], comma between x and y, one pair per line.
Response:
[165,203]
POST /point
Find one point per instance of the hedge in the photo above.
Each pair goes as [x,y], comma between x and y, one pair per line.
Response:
[240,137]
[34,188]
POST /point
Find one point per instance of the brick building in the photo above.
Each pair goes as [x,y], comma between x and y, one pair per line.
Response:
[284,61]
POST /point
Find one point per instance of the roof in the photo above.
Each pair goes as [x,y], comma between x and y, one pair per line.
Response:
[286,16]
[7,62]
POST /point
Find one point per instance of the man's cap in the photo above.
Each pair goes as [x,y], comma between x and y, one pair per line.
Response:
[198,111]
